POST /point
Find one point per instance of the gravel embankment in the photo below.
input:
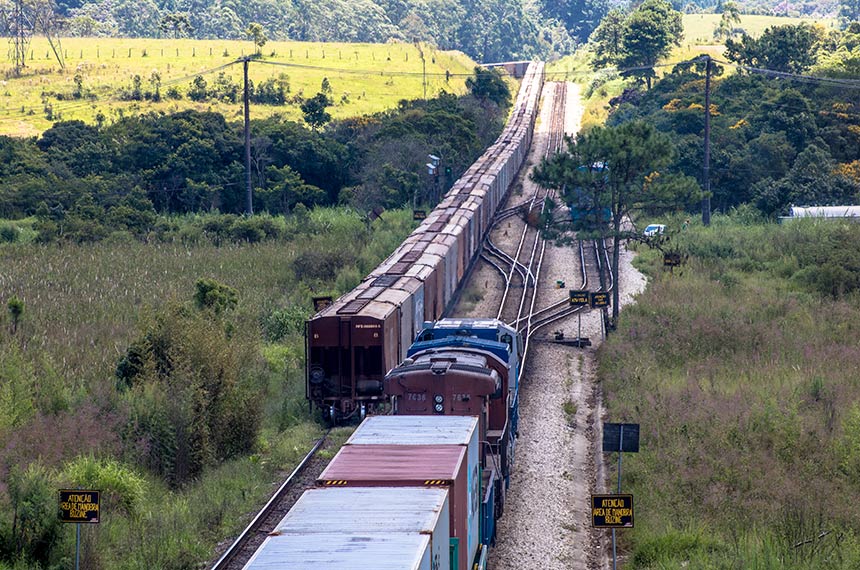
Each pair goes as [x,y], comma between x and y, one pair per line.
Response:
[558,464]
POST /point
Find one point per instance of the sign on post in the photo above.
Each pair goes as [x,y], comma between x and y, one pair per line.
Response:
[419,214]
[578,298]
[621,437]
[612,511]
[599,299]
[79,506]
[671,259]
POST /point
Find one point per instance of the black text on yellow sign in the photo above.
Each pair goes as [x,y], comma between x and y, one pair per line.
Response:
[578,298]
[599,299]
[612,511]
[79,506]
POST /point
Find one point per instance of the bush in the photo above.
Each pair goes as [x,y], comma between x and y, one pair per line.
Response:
[8,234]
[35,529]
[281,323]
[123,490]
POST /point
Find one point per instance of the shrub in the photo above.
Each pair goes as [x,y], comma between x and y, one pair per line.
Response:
[216,296]
[247,229]
[122,489]
[8,234]
[281,323]
[35,528]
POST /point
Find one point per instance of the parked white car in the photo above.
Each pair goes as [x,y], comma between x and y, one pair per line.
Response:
[654,230]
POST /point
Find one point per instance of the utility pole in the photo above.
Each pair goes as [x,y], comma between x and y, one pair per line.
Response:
[706,201]
[423,67]
[249,208]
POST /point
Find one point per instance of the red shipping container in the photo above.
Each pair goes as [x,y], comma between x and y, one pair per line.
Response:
[408,466]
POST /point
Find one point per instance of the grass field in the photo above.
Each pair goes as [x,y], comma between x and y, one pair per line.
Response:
[699,28]
[365,78]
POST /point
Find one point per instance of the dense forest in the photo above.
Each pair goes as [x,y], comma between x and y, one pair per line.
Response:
[776,140]
[492,30]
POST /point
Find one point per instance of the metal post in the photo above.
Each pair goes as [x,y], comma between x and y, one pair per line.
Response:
[579,330]
[78,546]
[249,209]
[620,450]
[706,201]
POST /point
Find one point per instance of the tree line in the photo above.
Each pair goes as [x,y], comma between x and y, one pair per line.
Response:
[491,30]
[86,181]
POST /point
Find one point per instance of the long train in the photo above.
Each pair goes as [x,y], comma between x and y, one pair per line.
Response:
[421,489]
[353,343]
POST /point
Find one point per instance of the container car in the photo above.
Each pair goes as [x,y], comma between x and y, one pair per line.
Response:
[441,466]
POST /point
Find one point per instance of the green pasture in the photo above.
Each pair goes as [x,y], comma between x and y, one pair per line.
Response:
[699,28]
[365,78]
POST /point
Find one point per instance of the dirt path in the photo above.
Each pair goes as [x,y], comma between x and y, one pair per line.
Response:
[558,463]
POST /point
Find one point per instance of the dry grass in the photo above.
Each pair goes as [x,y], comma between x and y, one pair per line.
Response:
[743,382]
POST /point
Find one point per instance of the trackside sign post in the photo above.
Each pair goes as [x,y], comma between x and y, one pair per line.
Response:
[621,438]
[612,511]
[79,506]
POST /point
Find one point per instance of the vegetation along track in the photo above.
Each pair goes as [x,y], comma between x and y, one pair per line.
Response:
[266,520]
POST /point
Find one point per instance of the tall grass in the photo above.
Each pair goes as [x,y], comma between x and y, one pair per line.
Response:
[84,305]
[743,372]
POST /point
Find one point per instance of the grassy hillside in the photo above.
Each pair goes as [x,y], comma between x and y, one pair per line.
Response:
[361,76]
[741,369]
[84,305]
[699,28]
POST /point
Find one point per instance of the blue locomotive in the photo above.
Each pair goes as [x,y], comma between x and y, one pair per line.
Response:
[467,367]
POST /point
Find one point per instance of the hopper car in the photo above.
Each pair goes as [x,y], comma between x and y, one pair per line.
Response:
[353,343]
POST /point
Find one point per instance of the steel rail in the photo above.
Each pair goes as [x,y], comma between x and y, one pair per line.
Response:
[236,547]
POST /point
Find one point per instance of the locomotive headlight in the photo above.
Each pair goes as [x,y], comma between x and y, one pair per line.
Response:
[438,398]
[438,408]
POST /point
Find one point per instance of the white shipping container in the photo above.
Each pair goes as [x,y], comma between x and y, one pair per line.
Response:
[343,552]
[431,430]
[374,510]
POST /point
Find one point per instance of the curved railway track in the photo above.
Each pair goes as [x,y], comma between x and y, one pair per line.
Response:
[301,478]
[521,269]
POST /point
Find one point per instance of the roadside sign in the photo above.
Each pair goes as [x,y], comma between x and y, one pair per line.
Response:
[671,259]
[578,298]
[612,511]
[419,214]
[321,303]
[599,299]
[79,506]
[621,437]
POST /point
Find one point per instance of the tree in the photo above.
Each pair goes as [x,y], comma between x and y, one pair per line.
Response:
[580,17]
[731,16]
[257,35]
[176,23]
[650,32]
[314,110]
[621,168]
[790,49]
[489,85]
[16,309]
[606,41]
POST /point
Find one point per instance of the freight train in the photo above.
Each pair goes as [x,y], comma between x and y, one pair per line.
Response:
[421,489]
[403,493]
[354,342]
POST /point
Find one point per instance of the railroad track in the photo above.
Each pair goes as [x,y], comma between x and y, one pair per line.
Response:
[521,270]
[266,520]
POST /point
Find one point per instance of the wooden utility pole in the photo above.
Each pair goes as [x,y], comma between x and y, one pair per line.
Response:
[249,208]
[706,201]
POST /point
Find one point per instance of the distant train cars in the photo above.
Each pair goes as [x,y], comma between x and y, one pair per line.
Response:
[353,343]
[404,493]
